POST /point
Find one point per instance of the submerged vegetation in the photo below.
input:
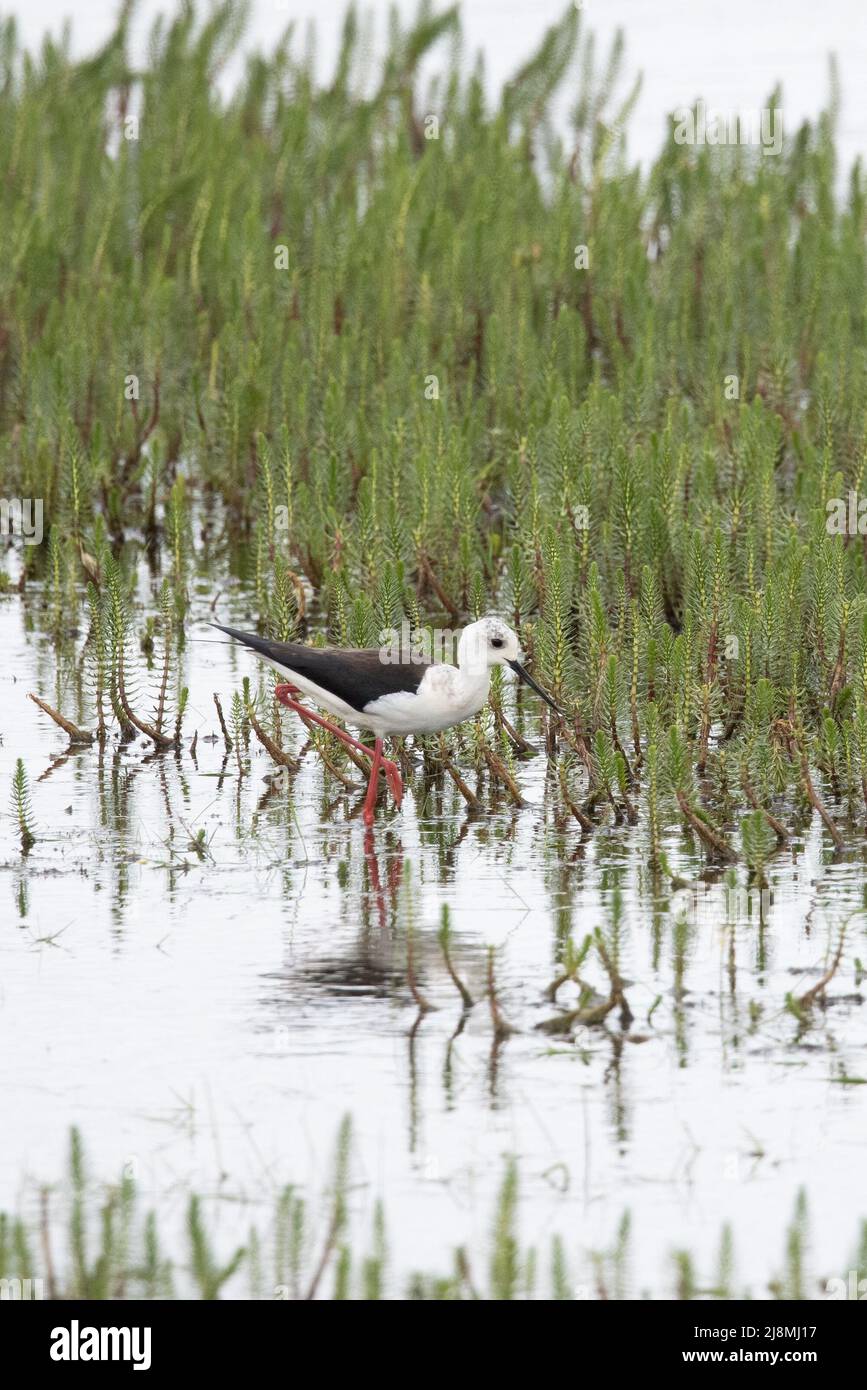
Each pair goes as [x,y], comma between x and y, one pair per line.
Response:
[94,1243]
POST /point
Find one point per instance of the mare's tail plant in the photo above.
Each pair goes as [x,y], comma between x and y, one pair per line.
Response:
[21,809]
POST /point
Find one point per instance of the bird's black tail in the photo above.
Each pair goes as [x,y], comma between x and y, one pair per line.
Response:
[263,645]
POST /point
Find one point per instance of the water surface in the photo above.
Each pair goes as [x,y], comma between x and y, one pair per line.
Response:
[208,1022]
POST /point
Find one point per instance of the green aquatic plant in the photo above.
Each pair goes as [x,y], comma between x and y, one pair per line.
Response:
[209,1274]
[505,1256]
[758,843]
[679,777]
[592,1009]
[105,1275]
[444,937]
[791,1284]
[109,1249]
[21,809]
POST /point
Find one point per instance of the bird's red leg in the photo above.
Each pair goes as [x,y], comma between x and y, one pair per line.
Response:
[394,780]
[370,799]
[284,694]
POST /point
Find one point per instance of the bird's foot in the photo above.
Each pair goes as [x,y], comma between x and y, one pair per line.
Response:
[395,786]
[393,780]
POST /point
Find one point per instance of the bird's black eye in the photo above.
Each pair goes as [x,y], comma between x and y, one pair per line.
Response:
[497,642]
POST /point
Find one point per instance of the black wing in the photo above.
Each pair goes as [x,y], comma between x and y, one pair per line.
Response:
[356,676]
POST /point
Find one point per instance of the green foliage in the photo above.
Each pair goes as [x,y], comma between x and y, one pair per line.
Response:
[505,1255]
[792,1283]
[758,841]
[21,808]
[209,364]
[128,1259]
[210,1276]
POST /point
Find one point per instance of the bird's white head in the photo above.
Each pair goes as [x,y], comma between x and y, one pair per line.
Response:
[489,642]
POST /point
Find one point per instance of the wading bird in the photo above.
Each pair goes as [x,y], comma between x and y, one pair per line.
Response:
[371,690]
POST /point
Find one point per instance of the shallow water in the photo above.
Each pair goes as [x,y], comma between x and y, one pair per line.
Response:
[210,1022]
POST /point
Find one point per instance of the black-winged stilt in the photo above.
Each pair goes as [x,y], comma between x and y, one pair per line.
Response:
[373,691]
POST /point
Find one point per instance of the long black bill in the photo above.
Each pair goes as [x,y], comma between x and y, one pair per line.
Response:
[525,676]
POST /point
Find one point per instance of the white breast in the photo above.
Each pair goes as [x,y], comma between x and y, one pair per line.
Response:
[445,696]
